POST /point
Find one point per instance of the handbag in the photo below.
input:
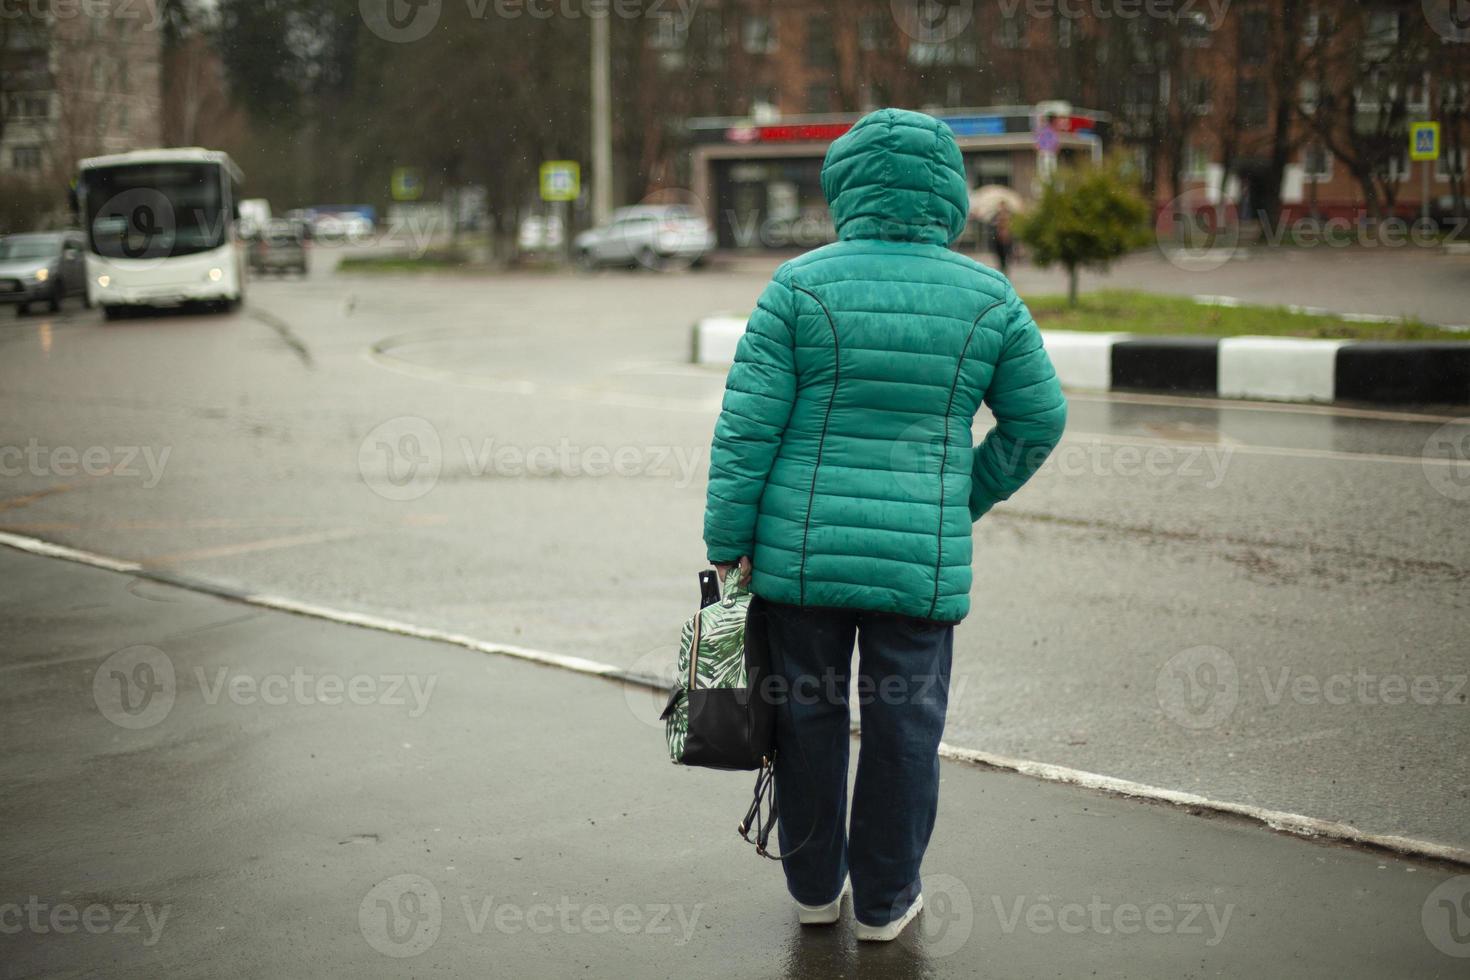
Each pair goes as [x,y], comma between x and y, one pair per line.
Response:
[715,716]
[720,714]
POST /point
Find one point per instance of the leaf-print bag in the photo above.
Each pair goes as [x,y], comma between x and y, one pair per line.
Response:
[716,717]
[721,714]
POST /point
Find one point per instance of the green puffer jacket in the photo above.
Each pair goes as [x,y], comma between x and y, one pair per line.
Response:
[842,460]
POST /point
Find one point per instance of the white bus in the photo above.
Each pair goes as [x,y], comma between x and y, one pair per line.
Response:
[161,229]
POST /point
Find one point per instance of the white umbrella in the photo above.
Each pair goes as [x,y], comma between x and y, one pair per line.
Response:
[986,201]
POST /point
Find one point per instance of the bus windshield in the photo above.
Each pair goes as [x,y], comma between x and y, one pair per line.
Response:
[154,210]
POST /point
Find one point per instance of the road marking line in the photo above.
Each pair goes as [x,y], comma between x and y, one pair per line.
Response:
[247,547]
[1291,823]
[46,549]
[1247,405]
[1232,447]
[30,498]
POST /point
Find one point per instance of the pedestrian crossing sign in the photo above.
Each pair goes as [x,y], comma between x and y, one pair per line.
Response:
[561,180]
[1424,141]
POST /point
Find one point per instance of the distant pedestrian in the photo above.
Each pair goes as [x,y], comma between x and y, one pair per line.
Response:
[1000,239]
[844,481]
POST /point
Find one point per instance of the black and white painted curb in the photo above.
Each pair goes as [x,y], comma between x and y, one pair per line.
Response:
[1287,369]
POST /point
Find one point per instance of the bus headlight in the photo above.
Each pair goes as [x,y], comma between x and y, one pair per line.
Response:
[42,275]
[104,281]
[215,275]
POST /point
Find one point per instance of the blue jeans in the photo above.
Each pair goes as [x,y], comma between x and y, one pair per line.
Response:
[902,691]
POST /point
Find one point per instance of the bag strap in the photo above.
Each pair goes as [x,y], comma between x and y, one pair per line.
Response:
[761,817]
[694,649]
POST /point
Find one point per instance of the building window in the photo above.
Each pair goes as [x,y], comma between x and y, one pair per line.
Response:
[1012,31]
[874,35]
[669,36]
[1255,34]
[1451,163]
[1452,97]
[1251,98]
[1064,31]
[1316,163]
[1383,29]
[1007,93]
[958,51]
[709,28]
[1399,167]
[1195,30]
[819,98]
[758,35]
[1306,95]
[1316,26]
[763,104]
[821,49]
[1140,94]
[1196,163]
[25,159]
[1196,95]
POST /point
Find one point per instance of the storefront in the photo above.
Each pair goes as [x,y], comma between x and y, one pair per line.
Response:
[761,183]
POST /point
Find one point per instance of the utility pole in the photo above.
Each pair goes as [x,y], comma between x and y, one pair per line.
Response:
[601,118]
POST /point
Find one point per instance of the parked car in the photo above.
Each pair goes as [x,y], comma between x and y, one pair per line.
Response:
[44,267]
[651,235]
[279,245]
[336,226]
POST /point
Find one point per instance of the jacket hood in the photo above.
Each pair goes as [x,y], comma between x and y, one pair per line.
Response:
[897,176]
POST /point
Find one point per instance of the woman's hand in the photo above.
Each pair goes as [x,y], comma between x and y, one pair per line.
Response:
[744,566]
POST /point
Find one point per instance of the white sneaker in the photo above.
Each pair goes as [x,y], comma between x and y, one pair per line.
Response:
[888,933]
[823,915]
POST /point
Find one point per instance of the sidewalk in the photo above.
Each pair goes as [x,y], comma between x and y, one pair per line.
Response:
[195,787]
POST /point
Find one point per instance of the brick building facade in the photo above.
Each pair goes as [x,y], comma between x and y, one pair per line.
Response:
[79,80]
[1278,106]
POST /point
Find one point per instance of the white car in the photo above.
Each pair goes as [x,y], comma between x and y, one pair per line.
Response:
[342,226]
[655,236]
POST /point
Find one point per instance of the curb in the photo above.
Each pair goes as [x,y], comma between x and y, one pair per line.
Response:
[1295,824]
[1287,369]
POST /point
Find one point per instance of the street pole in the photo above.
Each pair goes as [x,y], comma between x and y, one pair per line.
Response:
[1424,166]
[601,120]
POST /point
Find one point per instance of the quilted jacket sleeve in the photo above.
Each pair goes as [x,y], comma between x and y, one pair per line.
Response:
[1026,399]
[758,395]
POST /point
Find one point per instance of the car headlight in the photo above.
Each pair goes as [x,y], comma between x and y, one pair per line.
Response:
[215,275]
[104,281]
[42,275]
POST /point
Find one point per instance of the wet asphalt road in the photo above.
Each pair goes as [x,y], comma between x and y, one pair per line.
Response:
[1260,604]
[196,787]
